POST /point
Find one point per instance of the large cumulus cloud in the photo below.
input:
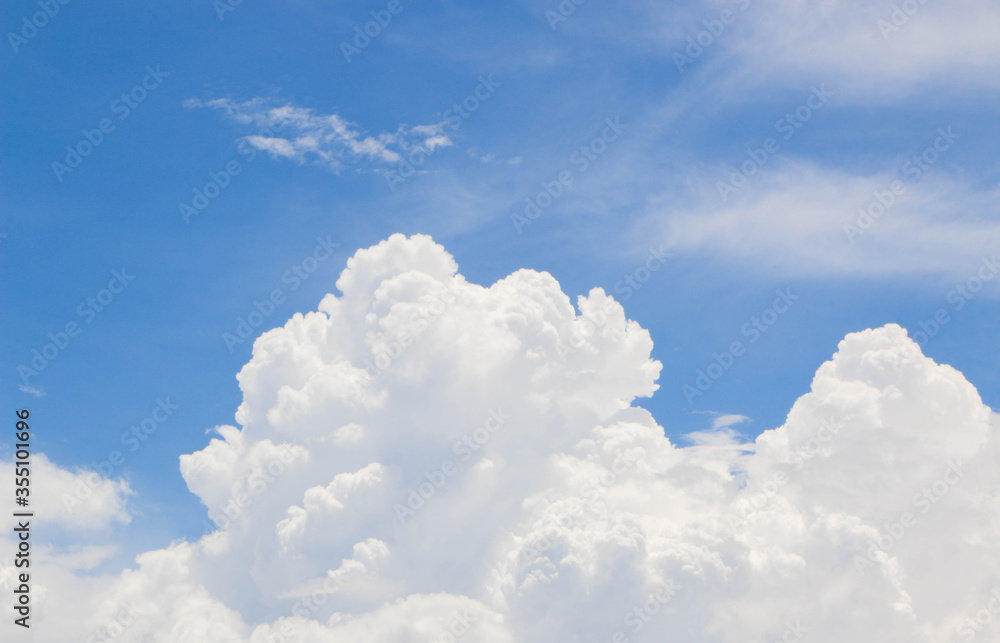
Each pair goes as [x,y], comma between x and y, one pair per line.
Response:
[425,459]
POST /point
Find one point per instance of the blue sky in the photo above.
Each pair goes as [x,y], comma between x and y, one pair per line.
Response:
[655,185]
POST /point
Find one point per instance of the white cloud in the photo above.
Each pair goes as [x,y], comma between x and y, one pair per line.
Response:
[796,218]
[871,51]
[276,147]
[726,421]
[302,135]
[855,45]
[80,500]
[544,506]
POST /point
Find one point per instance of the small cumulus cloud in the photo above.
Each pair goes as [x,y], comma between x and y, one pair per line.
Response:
[306,136]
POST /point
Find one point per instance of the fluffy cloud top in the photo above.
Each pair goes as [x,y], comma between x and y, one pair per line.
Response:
[425,459]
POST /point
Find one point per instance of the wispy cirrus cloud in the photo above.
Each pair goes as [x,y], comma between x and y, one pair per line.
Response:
[303,135]
[801,218]
[875,51]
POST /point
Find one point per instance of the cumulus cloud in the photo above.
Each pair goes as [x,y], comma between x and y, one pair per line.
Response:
[77,501]
[427,459]
[303,135]
[77,504]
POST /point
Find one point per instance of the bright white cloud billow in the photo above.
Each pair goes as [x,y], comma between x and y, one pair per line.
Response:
[553,510]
